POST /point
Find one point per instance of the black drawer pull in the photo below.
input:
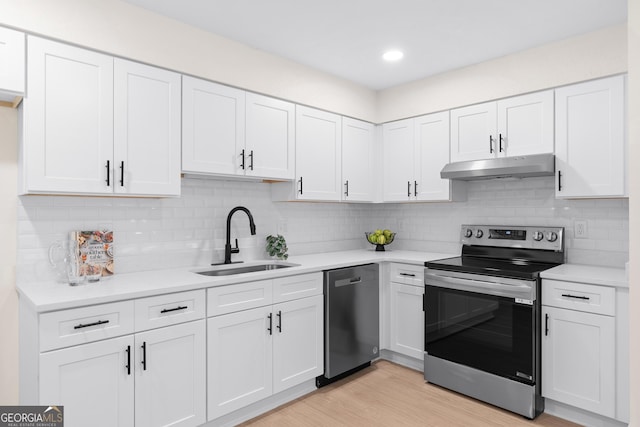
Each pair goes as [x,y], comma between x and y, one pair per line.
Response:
[128,366]
[575,296]
[546,325]
[86,325]
[270,328]
[122,173]
[408,274]
[168,310]
[108,166]
[279,321]
[144,356]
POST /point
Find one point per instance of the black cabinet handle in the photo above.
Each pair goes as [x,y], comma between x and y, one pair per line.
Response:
[500,144]
[408,188]
[86,325]
[559,180]
[144,356]
[415,188]
[408,274]
[122,173]
[546,325]
[128,366]
[300,181]
[346,188]
[576,297]
[270,316]
[108,173]
[251,157]
[279,321]
[490,144]
[242,162]
[168,310]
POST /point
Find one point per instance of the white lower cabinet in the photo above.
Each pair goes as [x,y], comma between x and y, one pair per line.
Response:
[257,352]
[583,347]
[91,381]
[171,383]
[406,326]
[153,377]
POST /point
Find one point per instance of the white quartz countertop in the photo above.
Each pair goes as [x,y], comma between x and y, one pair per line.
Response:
[49,295]
[589,274]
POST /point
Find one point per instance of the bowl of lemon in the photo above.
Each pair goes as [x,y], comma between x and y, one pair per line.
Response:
[380,238]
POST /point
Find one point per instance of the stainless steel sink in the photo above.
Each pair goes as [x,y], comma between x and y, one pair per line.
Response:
[227,270]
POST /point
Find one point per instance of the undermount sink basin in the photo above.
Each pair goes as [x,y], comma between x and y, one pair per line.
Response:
[229,269]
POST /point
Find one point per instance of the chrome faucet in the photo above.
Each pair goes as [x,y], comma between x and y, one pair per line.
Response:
[228,250]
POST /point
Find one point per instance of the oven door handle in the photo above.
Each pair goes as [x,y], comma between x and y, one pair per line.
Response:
[512,290]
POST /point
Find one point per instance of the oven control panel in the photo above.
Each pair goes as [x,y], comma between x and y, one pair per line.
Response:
[530,237]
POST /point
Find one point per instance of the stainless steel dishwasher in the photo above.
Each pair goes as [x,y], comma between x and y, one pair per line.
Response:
[351,321]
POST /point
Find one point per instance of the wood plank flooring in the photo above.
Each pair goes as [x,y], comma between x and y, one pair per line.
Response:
[390,395]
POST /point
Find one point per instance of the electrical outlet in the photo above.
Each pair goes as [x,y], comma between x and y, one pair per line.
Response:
[580,229]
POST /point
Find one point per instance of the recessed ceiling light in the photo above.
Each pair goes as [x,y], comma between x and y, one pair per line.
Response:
[392,55]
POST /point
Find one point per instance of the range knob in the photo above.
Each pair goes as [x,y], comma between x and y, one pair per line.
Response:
[552,236]
[479,233]
[537,236]
[468,233]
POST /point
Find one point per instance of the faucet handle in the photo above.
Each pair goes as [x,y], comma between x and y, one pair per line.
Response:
[236,249]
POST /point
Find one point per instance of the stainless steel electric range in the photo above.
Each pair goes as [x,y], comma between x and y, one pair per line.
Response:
[482,315]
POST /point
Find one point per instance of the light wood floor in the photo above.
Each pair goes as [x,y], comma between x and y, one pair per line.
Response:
[390,395]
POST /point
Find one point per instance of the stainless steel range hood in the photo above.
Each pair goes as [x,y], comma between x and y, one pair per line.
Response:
[502,167]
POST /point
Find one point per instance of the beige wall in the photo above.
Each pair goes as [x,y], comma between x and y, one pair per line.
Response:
[585,57]
[634,207]
[8,223]
[125,30]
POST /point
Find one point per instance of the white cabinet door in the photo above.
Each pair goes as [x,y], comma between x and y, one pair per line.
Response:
[397,158]
[68,116]
[298,347]
[213,126]
[407,320]
[171,376]
[318,154]
[92,382]
[239,360]
[357,160]
[590,139]
[146,130]
[578,359]
[525,125]
[431,155]
[12,60]
[270,144]
[473,132]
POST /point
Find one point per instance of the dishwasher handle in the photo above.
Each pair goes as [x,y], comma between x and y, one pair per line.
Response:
[347,282]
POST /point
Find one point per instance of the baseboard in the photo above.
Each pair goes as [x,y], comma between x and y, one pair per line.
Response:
[579,416]
[401,359]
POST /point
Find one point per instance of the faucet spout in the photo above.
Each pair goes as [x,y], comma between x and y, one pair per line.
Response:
[228,250]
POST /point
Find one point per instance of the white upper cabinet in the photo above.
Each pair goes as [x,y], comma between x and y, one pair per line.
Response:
[357,160]
[72,142]
[510,127]
[397,158]
[68,120]
[12,60]
[146,130]
[270,143]
[213,126]
[414,153]
[318,154]
[473,132]
[590,139]
[431,136]
[525,124]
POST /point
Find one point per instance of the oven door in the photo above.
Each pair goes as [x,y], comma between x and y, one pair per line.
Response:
[487,323]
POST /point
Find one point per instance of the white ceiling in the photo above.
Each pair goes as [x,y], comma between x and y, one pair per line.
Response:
[347,37]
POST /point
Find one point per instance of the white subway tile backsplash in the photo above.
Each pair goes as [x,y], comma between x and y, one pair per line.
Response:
[190,231]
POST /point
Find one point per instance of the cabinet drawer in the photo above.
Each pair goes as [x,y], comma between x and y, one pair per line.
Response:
[579,296]
[85,324]
[294,287]
[165,310]
[243,296]
[407,274]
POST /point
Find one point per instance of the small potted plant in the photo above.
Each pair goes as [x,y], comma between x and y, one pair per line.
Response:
[277,246]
